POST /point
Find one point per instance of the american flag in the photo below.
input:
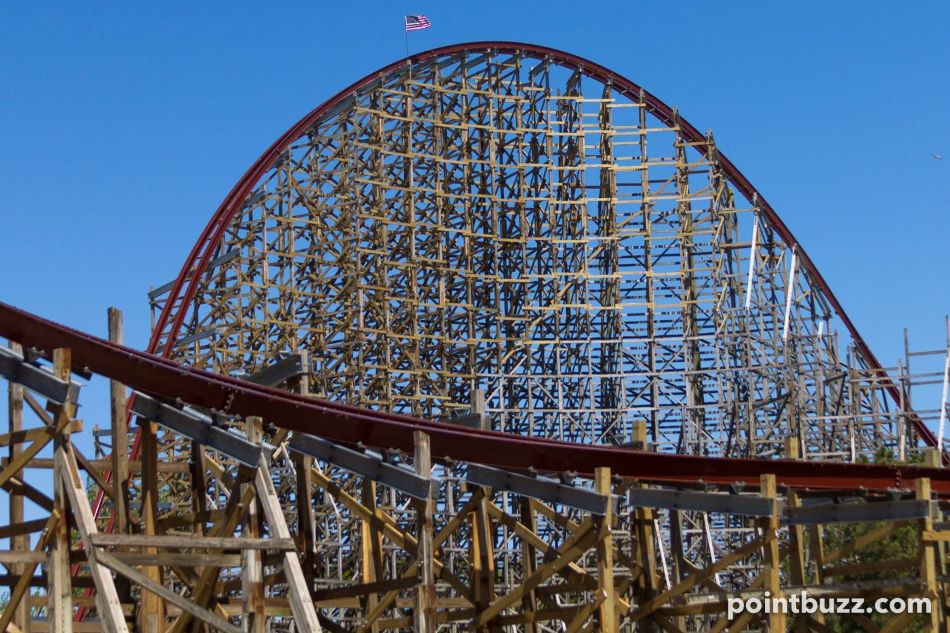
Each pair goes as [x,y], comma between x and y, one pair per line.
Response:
[417,22]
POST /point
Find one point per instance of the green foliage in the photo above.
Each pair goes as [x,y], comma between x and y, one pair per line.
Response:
[903,543]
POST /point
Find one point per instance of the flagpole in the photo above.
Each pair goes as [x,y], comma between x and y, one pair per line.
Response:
[405,27]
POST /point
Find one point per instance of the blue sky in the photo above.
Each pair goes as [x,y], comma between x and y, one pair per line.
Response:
[123,125]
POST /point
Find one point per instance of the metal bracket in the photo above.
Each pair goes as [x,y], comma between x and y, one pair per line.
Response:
[36,378]
[398,476]
[541,488]
[199,428]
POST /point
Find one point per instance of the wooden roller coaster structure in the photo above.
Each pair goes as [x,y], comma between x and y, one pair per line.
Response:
[491,340]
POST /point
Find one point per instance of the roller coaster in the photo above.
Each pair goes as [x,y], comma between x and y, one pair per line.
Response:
[491,340]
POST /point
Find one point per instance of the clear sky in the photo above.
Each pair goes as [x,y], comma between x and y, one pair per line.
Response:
[123,125]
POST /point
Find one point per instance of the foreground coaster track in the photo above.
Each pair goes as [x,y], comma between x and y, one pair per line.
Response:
[491,340]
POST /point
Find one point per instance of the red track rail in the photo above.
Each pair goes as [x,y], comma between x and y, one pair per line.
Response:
[353,425]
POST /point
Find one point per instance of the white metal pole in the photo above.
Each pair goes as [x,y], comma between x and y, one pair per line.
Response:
[748,283]
[789,292]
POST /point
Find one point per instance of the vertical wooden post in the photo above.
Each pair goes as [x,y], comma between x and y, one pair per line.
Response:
[529,603]
[303,464]
[928,561]
[19,543]
[60,585]
[424,613]
[371,555]
[482,555]
[252,577]
[605,557]
[771,559]
[120,447]
[120,432]
[796,535]
[482,551]
[151,607]
[644,533]
[933,458]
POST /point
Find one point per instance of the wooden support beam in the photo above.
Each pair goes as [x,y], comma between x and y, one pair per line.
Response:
[928,561]
[60,589]
[22,585]
[575,547]
[108,605]
[771,560]
[606,592]
[796,536]
[529,558]
[151,614]
[424,612]
[120,433]
[252,573]
[21,541]
[371,549]
[301,602]
[167,595]
[481,554]
[643,535]
[699,576]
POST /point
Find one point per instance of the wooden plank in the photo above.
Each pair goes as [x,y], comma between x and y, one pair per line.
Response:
[167,594]
[22,436]
[771,560]
[118,403]
[698,576]
[252,572]
[574,548]
[301,602]
[192,542]
[11,557]
[60,589]
[928,559]
[607,608]
[424,614]
[151,613]
[26,527]
[179,559]
[107,598]
[25,579]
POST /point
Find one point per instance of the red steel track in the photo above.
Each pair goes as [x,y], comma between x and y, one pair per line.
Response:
[164,378]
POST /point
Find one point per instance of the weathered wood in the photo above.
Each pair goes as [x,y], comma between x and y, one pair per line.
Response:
[120,432]
[235,543]
[167,595]
[424,612]
[252,574]
[108,604]
[305,616]
[151,615]
[574,548]
[771,560]
[24,581]
[606,592]
[928,561]
[178,559]
[371,553]
[60,588]
[20,543]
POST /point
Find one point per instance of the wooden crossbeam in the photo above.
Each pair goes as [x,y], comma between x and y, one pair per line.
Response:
[573,549]
[26,575]
[167,594]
